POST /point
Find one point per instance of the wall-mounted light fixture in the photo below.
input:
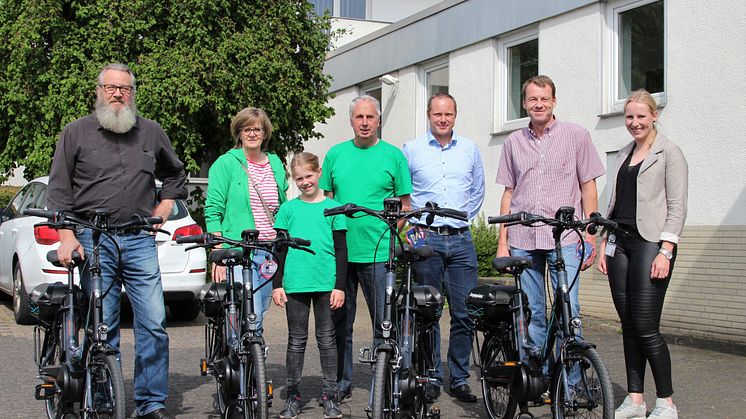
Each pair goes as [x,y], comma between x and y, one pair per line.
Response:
[388,79]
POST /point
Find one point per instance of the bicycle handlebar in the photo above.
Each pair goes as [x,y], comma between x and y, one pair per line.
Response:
[525,218]
[283,239]
[430,208]
[62,219]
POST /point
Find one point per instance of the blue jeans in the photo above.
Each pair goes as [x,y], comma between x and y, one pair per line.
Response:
[454,263]
[372,279]
[532,281]
[141,276]
[263,296]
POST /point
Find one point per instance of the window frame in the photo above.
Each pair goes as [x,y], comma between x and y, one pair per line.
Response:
[611,77]
[502,124]
[424,94]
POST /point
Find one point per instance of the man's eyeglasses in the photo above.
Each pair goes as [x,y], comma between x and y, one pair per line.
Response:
[255,131]
[111,88]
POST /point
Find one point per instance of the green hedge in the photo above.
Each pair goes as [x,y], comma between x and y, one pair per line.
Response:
[6,194]
[484,237]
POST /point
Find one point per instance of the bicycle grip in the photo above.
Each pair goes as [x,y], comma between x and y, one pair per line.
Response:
[301,242]
[198,238]
[509,218]
[456,214]
[340,210]
[40,212]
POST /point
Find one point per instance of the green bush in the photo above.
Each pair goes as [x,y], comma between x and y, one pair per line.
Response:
[6,194]
[484,237]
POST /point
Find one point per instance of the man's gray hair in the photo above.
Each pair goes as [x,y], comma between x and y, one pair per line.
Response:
[118,67]
[365,98]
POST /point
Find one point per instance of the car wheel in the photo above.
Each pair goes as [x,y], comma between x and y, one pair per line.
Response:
[185,311]
[21,308]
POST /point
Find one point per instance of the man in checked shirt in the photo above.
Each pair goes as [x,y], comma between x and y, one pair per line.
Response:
[547,165]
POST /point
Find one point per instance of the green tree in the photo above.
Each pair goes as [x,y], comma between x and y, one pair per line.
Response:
[197,64]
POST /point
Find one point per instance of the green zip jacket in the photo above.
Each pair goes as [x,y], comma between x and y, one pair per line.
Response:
[228,208]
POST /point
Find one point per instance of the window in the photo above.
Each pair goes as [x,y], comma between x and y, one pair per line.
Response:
[433,77]
[517,61]
[355,9]
[636,56]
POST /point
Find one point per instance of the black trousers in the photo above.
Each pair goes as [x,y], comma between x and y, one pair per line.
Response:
[639,302]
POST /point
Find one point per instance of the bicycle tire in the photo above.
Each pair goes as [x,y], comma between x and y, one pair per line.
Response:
[50,355]
[255,404]
[591,396]
[107,380]
[382,387]
[498,401]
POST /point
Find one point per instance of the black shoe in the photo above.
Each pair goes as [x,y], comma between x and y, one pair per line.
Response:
[432,392]
[463,393]
[157,414]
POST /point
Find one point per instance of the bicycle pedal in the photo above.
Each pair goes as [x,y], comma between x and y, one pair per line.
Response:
[366,356]
[434,412]
[270,393]
[45,391]
[204,367]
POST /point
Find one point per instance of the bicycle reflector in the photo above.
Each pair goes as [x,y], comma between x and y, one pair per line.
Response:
[46,235]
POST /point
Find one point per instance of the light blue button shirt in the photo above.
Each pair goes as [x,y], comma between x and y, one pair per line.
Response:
[452,176]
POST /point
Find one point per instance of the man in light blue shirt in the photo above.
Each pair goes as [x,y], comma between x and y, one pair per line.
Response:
[447,169]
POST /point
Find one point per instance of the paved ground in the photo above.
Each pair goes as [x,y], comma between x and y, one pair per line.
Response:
[708,377]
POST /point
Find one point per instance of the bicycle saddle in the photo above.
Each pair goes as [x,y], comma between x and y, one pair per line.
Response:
[508,264]
[226,257]
[54,260]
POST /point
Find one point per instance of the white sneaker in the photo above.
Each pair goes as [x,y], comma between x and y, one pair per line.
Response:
[664,411]
[629,411]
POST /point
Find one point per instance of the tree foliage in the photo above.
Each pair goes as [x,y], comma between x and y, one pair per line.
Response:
[197,64]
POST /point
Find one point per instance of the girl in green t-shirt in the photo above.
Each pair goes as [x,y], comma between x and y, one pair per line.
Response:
[305,279]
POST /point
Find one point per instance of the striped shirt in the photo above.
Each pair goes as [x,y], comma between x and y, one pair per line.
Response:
[546,174]
[263,179]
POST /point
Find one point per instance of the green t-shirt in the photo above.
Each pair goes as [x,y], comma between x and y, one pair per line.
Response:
[366,176]
[305,272]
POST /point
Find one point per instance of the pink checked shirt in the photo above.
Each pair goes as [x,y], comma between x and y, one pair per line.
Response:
[546,174]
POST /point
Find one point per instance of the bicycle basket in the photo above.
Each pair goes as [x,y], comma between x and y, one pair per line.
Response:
[429,302]
[491,303]
[48,298]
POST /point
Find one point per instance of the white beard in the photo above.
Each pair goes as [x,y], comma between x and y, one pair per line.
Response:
[118,122]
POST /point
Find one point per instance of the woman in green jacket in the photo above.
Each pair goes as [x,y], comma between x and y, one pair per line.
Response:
[245,188]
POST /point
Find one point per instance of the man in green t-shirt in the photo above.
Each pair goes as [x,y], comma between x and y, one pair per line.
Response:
[364,171]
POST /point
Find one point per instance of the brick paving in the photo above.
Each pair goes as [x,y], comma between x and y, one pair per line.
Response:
[708,377]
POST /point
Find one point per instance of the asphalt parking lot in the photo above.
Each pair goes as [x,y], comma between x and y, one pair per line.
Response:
[708,376]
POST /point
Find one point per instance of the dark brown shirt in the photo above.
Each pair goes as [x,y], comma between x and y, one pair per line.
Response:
[94,168]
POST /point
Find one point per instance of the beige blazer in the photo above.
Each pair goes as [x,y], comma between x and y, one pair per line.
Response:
[662,188]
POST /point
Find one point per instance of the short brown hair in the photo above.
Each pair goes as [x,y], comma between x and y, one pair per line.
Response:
[441,95]
[541,81]
[305,158]
[249,116]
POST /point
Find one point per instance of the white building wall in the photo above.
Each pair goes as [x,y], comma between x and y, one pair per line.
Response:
[703,114]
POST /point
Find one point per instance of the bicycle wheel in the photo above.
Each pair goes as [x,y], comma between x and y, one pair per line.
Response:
[107,387]
[382,387]
[50,355]
[254,405]
[581,386]
[498,401]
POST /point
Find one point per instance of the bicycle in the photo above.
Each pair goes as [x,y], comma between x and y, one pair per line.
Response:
[234,353]
[403,359]
[511,370]
[79,379]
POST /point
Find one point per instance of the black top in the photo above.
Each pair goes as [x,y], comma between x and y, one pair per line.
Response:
[625,209]
[94,168]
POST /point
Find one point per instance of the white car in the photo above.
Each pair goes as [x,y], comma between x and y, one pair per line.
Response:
[23,250]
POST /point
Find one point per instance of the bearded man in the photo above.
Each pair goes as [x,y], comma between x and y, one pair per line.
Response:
[107,161]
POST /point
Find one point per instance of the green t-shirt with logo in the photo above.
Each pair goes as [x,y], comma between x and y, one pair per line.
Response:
[305,272]
[366,176]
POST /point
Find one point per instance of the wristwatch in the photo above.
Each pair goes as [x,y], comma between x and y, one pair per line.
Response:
[666,253]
